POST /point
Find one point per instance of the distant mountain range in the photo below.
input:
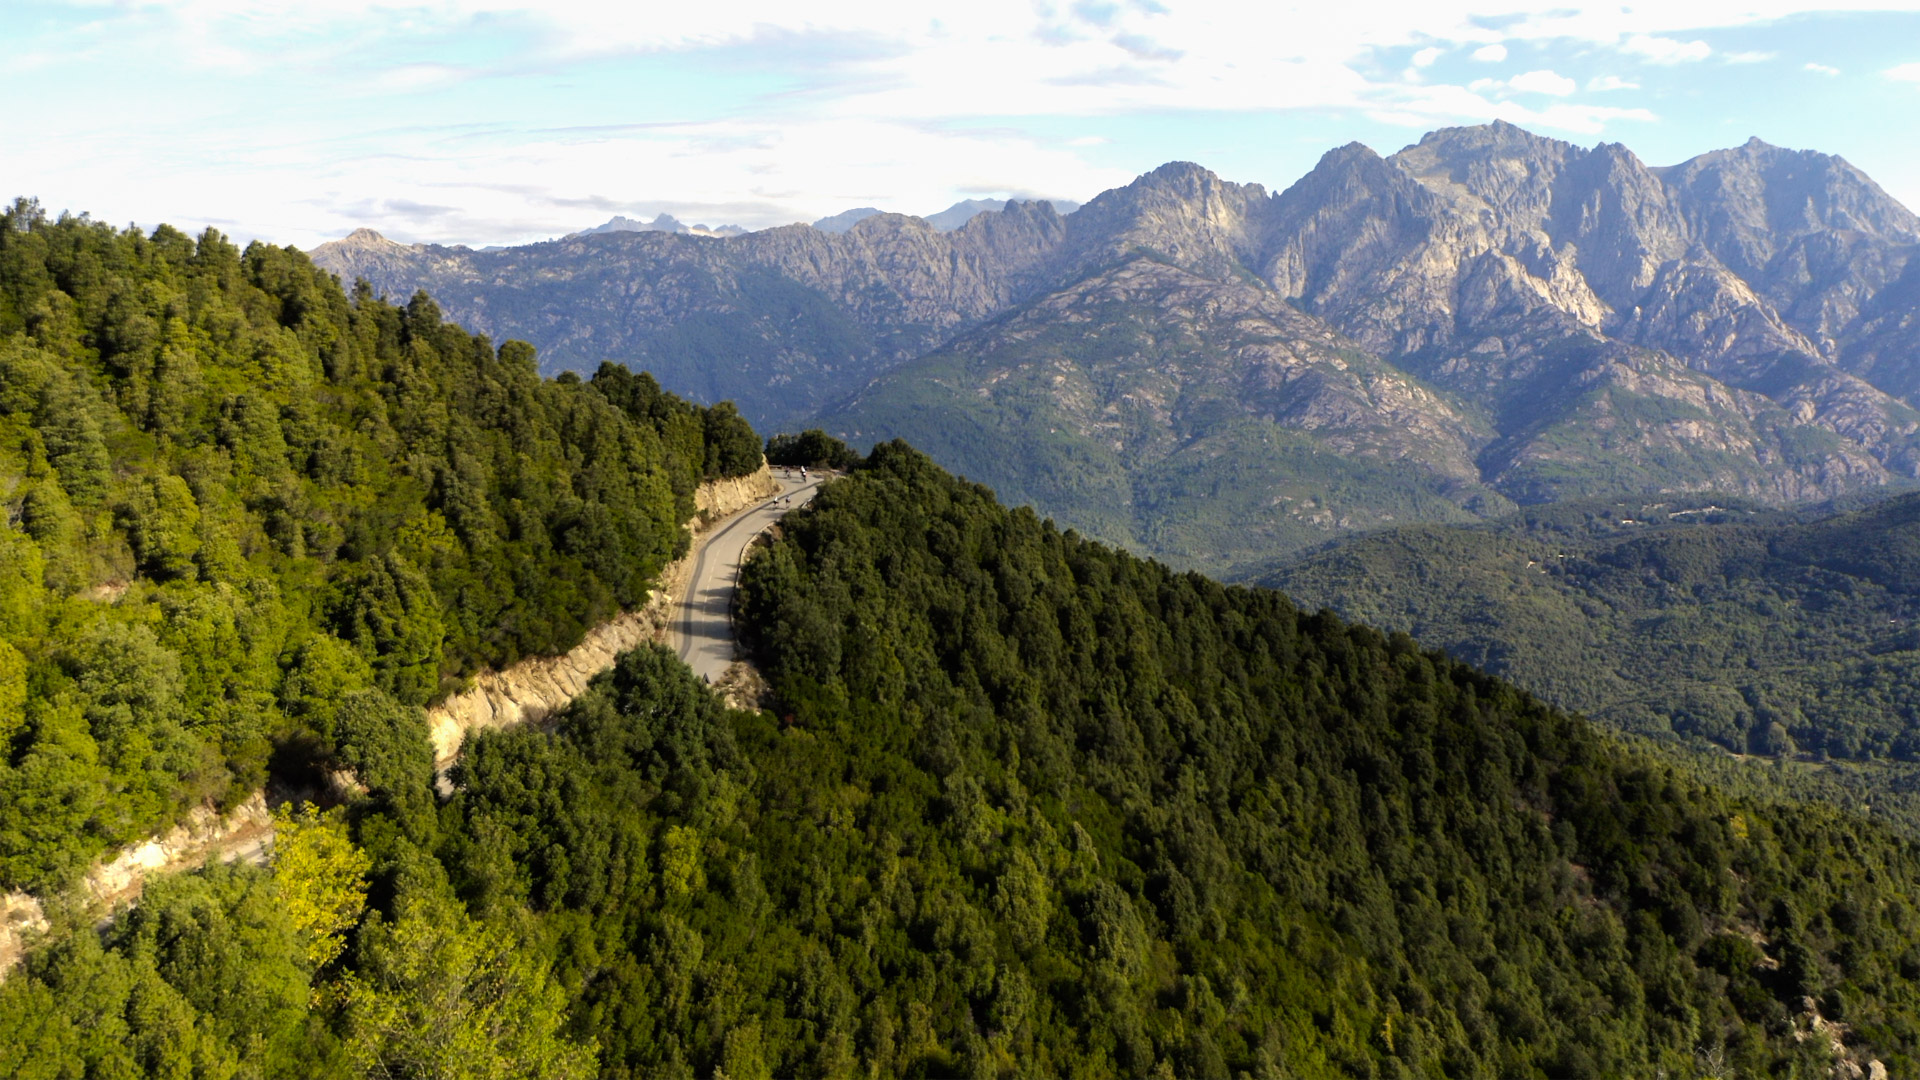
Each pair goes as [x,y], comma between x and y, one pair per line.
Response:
[1213,373]
[666,223]
[946,220]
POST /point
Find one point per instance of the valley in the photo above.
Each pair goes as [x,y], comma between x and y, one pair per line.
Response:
[1756,631]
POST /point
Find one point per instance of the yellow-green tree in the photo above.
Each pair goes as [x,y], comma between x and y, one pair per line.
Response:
[322,877]
[438,994]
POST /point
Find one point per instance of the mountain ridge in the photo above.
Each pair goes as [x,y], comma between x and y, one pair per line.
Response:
[1587,310]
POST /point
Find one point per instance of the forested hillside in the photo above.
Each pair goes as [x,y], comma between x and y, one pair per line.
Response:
[1027,806]
[1760,635]
[247,514]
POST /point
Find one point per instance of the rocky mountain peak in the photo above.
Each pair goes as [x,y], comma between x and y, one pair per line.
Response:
[1498,139]
[1759,197]
[1497,166]
[363,253]
[845,219]
[1487,261]
[1810,232]
[1174,174]
[1184,212]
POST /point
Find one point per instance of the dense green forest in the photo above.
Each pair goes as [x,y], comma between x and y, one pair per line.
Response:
[812,448]
[241,505]
[1728,626]
[1028,807]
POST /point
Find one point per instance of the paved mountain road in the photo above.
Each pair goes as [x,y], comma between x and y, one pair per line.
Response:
[703,635]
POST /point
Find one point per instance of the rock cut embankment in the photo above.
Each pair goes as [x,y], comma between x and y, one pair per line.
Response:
[537,687]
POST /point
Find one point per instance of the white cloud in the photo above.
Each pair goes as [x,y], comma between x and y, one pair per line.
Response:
[1904,73]
[1586,119]
[1666,50]
[418,76]
[1428,106]
[1543,82]
[533,185]
[1749,57]
[1820,69]
[293,108]
[1532,82]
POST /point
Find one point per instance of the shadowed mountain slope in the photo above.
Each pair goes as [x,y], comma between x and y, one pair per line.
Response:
[1733,626]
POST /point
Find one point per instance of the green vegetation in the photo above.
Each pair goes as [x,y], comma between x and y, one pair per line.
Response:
[1029,806]
[240,971]
[1745,630]
[247,515]
[1283,810]
[813,448]
[700,443]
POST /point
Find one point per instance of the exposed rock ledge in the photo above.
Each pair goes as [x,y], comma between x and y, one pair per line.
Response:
[725,498]
[535,688]
[528,691]
[243,833]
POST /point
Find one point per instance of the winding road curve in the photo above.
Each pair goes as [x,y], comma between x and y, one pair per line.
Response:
[702,632]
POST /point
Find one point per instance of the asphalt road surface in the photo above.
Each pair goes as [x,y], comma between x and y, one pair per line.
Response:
[703,635]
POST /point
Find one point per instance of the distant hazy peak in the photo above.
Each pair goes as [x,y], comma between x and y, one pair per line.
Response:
[361,244]
[948,220]
[365,239]
[662,222]
[846,219]
[964,211]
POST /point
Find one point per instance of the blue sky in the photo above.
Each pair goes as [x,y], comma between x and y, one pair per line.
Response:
[479,122]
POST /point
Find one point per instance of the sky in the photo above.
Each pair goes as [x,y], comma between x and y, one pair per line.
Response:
[486,122]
